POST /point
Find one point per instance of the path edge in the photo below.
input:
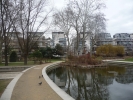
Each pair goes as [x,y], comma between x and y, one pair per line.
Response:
[59,91]
[9,89]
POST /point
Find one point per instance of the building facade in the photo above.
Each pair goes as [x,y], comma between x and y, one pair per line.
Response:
[58,38]
[125,40]
[103,39]
[41,40]
[36,37]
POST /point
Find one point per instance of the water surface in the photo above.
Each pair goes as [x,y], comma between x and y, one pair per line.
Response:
[111,83]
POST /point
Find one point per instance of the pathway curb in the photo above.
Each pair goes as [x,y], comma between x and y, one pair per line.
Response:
[9,89]
[59,91]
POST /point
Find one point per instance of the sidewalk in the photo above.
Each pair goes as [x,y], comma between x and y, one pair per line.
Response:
[27,87]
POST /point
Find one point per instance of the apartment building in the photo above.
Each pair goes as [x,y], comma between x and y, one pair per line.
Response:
[119,39]
[125,40]
[131,35]
[34,36]
[48,42]
[12,43]
[103,39]
[58,38]
[38,38]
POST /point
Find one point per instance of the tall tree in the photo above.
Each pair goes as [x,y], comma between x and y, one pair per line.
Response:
[31,18]
[6,13]
[84,17]
[61,19]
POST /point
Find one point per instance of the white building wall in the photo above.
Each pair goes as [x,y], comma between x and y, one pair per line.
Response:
[56,36]
[131,35]
[88,43]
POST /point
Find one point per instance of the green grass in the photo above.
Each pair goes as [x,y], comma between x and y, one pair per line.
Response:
[18,63]
[3,85]
[28,64]
[54,60]
[129,59]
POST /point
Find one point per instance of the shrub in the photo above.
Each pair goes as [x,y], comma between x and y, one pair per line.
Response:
[37,56]
[110,51]
[119,51]
[13,56]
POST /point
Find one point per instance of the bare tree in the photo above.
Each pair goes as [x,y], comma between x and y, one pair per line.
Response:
[85,17]
[32,15]
[61,19]
[6,12]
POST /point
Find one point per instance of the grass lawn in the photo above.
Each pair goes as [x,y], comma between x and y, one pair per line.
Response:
[17,63]
[29,63]
[54,60]
[129,59]
[3,85]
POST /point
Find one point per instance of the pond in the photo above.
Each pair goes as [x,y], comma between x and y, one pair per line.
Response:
[111,83]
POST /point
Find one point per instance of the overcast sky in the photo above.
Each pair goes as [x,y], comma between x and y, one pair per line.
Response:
[119,15]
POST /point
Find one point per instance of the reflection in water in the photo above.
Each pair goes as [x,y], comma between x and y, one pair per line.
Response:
[127,77]
[94,84]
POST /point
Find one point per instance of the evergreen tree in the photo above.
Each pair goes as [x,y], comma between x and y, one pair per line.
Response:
[13,56]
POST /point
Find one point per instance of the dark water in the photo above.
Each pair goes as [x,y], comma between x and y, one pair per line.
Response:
[111,83]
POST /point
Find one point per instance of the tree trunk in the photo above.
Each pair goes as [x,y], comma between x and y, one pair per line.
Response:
[25,59]
[77,45]
[6,57]
[0,52]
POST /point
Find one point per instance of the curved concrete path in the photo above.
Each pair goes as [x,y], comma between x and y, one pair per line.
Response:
[27,87]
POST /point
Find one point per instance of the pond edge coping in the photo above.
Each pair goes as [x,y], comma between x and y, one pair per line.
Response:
[58,90]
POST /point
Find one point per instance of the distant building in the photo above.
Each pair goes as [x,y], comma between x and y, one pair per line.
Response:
[13,44]
[41,40]
[131,35]
[13,41]
[125,40]
[48,42]
[58,38]
[38,38]
[103,39]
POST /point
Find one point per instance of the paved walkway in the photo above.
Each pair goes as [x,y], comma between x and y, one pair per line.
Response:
[27,87]
[8,75]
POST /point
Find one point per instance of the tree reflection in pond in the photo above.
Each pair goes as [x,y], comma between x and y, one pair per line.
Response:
[93,84]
